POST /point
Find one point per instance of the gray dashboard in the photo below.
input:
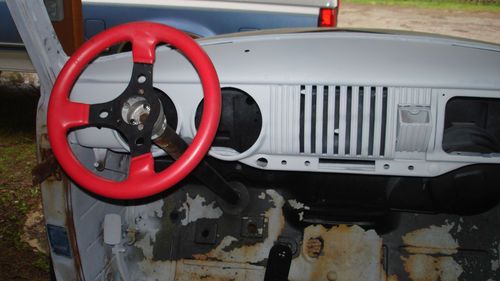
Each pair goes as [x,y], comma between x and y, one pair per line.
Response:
[338,101]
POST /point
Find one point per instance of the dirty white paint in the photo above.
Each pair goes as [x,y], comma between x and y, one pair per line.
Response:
[259,251]
[262,196]
[349,253]
[428,268]
[298,205]
[155,271]
[188,270]
[196,208]
[225,243]
[260,230]
[145,219]
[431,240]
[495,264]
[430,254]
[218,271]
[153,209]
[385,277]
[146,243]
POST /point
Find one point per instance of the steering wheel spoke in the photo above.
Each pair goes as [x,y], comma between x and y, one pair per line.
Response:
[104,115]
[141,166]
[133,113]
[143,47]
[73,115]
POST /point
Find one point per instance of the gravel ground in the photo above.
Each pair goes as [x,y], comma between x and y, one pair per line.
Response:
[483,26]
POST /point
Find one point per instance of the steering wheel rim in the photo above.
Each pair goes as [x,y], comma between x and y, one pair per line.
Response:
[64,115]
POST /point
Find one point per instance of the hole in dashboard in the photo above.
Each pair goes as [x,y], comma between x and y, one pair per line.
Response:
[241,120]
[472,125]
[261,162]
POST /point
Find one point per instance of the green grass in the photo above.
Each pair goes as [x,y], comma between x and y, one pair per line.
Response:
[17,195]
[483,6]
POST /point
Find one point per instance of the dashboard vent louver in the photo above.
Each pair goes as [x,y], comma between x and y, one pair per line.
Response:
[346,121]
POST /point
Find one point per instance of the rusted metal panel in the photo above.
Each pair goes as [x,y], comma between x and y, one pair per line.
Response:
[338,253]
[430,254]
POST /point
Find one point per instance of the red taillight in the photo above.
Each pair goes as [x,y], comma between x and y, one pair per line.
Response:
[327,17]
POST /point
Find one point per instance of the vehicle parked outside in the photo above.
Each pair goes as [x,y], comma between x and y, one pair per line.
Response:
[199,18]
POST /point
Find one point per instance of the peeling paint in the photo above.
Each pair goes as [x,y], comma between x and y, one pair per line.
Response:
[392,277]
[349,253]
[431,240]
[260,231]
[259,251]
[156,270]
[428,268]
[187,270]
[385,277]
[495,264]
[298,205]
[196,208]
[146,219]
[337,253]
[424,244]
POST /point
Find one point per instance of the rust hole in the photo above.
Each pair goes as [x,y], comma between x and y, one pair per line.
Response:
[314,247]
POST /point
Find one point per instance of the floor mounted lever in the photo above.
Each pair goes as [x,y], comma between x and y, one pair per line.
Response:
[174,145]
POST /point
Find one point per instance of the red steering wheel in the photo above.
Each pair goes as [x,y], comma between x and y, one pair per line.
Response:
[65,115]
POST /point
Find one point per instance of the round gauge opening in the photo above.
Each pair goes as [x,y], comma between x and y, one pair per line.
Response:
[241,120]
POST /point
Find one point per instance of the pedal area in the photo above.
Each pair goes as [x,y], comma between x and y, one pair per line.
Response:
[189,235]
